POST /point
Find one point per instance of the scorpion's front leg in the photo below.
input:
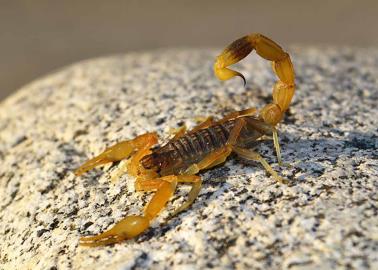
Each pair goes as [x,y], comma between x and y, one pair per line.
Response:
[217,157]
[194,180]
[118,152]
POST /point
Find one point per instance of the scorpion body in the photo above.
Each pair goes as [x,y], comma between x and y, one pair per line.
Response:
[161,169]
[178,154]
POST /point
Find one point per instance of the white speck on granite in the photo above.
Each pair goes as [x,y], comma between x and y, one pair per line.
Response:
[326,218]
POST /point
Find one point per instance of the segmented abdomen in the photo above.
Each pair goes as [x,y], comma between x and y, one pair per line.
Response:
[194,146]
[179,154]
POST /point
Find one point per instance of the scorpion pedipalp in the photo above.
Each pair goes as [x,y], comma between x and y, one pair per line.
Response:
[118,152]
[127,228]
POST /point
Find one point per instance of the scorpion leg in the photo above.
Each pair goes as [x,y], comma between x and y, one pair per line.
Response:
[133,166]
[251,155]
[131,226]
[217,157]
[193,193]
[236,114]
[277,146]
[220,155]
[206,163]
[203,124]
[153,184]
[267,129]
[179,132]
[118,152]
[147,184]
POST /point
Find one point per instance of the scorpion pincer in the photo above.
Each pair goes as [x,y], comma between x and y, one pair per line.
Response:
[161,168]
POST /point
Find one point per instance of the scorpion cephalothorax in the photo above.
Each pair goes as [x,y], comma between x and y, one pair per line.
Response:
[161,168]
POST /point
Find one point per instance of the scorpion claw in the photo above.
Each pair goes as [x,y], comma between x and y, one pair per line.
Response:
[92,163]
[118,152]
[127,228]
[90,242]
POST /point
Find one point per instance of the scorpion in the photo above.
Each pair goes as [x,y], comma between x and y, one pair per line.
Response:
[162,168]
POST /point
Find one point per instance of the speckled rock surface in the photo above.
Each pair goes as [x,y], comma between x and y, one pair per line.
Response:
[326,218]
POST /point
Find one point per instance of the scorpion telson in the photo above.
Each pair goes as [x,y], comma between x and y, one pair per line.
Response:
[160,169]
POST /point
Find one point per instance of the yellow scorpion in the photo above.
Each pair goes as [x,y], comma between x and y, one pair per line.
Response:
[210,143]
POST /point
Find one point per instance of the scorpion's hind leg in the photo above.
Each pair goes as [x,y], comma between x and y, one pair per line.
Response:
[189,176]
[196,183]
[217,157]
[118,152]
[220,155]
[179,132]
[132,226]
[251,155]
[267,129]
[236,114]
[203,122]
[210,160]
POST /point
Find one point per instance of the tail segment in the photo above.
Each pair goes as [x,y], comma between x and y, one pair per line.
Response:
[283,90]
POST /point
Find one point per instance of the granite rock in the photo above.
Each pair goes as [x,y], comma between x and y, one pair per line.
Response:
[325,218]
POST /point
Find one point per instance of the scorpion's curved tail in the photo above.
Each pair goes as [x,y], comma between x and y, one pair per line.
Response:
[283,90]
